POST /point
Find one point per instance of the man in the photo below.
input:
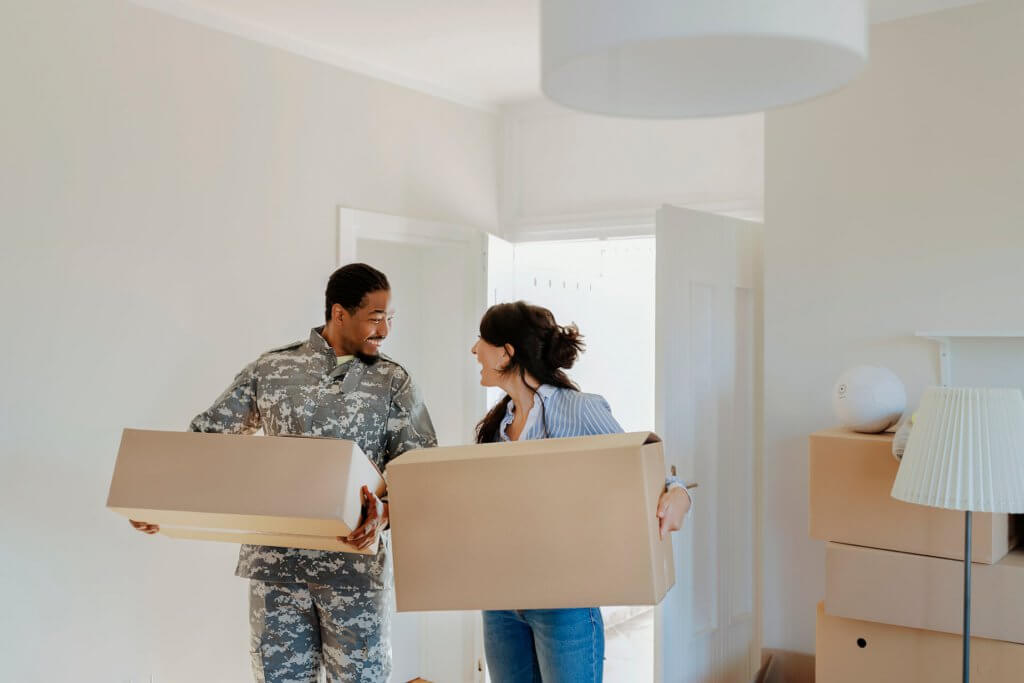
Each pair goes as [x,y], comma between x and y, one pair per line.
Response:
[309,607]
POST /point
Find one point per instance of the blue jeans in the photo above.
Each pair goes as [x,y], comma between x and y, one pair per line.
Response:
[549,645]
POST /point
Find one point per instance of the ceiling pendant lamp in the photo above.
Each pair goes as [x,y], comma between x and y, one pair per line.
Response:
[691,58]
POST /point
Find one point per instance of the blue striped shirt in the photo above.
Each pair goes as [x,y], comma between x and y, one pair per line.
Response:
[559,413]
[564,413]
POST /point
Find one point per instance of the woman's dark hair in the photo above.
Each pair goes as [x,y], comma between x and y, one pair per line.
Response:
[350,284]
[543,348]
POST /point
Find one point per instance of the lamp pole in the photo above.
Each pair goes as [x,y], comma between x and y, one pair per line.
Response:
[967,597]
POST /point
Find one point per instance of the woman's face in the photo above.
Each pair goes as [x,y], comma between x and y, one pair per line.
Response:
[493,360]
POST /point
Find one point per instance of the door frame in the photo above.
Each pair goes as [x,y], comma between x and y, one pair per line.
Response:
[356,224]
[644,223]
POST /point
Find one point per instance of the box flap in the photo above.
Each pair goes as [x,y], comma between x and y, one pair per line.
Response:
[843,433]
[529,447]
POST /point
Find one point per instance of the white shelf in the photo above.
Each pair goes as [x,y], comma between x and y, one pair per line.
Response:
[970,335]
[945,342]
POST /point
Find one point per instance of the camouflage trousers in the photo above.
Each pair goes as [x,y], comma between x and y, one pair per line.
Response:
[298,627]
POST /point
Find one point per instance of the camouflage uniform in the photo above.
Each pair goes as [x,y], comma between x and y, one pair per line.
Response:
[313,605]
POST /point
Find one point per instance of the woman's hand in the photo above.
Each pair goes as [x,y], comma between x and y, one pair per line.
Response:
[375,519]
[672,508]
[145,527]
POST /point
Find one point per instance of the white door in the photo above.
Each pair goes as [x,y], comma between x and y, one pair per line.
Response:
[707,367]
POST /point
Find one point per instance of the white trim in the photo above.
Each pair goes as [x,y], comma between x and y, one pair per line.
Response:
[626,223]
[355,224]
[250,30]
[594,226]
[936,336]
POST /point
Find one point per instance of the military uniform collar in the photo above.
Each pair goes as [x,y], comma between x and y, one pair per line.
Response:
[320,345]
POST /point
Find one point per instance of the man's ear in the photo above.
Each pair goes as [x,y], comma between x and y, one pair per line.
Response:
[338,313]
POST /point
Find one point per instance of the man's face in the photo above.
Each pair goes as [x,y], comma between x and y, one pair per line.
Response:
[363,331]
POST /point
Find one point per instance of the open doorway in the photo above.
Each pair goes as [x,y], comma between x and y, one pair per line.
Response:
[607,288]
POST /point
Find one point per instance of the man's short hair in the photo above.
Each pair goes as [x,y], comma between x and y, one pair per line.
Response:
[349,285]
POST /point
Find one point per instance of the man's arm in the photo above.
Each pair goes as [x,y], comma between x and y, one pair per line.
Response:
[235,411]
[409,426]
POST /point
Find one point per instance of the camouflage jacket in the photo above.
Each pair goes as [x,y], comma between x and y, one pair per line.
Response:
[300,389]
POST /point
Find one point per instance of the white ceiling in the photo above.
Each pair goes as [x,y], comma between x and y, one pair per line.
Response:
[479,52]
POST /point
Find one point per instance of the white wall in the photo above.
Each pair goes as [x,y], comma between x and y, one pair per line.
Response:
[892,206]
[560,166]
[168,207]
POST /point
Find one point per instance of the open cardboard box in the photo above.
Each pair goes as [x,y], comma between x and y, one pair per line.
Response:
[542,523]
[296,492]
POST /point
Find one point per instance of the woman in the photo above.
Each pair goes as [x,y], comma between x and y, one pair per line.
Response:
[523,351]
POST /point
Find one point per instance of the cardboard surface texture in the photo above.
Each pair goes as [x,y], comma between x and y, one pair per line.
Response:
[269,490]
[917,591]
[530,524]
[854,651]
[785,666]
[851,478]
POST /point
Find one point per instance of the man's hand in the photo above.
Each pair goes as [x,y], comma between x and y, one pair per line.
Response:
[672,508]
[145,527]
[375,519]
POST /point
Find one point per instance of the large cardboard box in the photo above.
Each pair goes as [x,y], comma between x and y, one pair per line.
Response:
[531,524]
[854,651]
[269,490]
[851,478]
[923,592]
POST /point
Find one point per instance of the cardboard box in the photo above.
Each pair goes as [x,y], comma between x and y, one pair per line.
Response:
[531,524]
[923,592]
[853,651]
[851,478]
[269,490]
[785,666]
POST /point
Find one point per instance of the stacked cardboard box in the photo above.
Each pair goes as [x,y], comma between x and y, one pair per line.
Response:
[894,575]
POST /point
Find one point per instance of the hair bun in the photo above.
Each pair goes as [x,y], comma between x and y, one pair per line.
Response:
[565,343]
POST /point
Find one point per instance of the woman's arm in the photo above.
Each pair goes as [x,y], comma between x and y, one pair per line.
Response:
[592,416]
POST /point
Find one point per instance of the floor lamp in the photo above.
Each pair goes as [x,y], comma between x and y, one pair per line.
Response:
[965,452]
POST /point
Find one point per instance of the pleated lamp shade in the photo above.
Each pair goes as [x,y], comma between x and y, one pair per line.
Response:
[966,451]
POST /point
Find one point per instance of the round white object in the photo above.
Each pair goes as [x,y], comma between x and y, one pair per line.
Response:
[691,58]
[869,399]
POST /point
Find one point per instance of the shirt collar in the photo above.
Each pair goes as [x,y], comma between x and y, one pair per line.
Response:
[321,346]
[544,392]
[317,341]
